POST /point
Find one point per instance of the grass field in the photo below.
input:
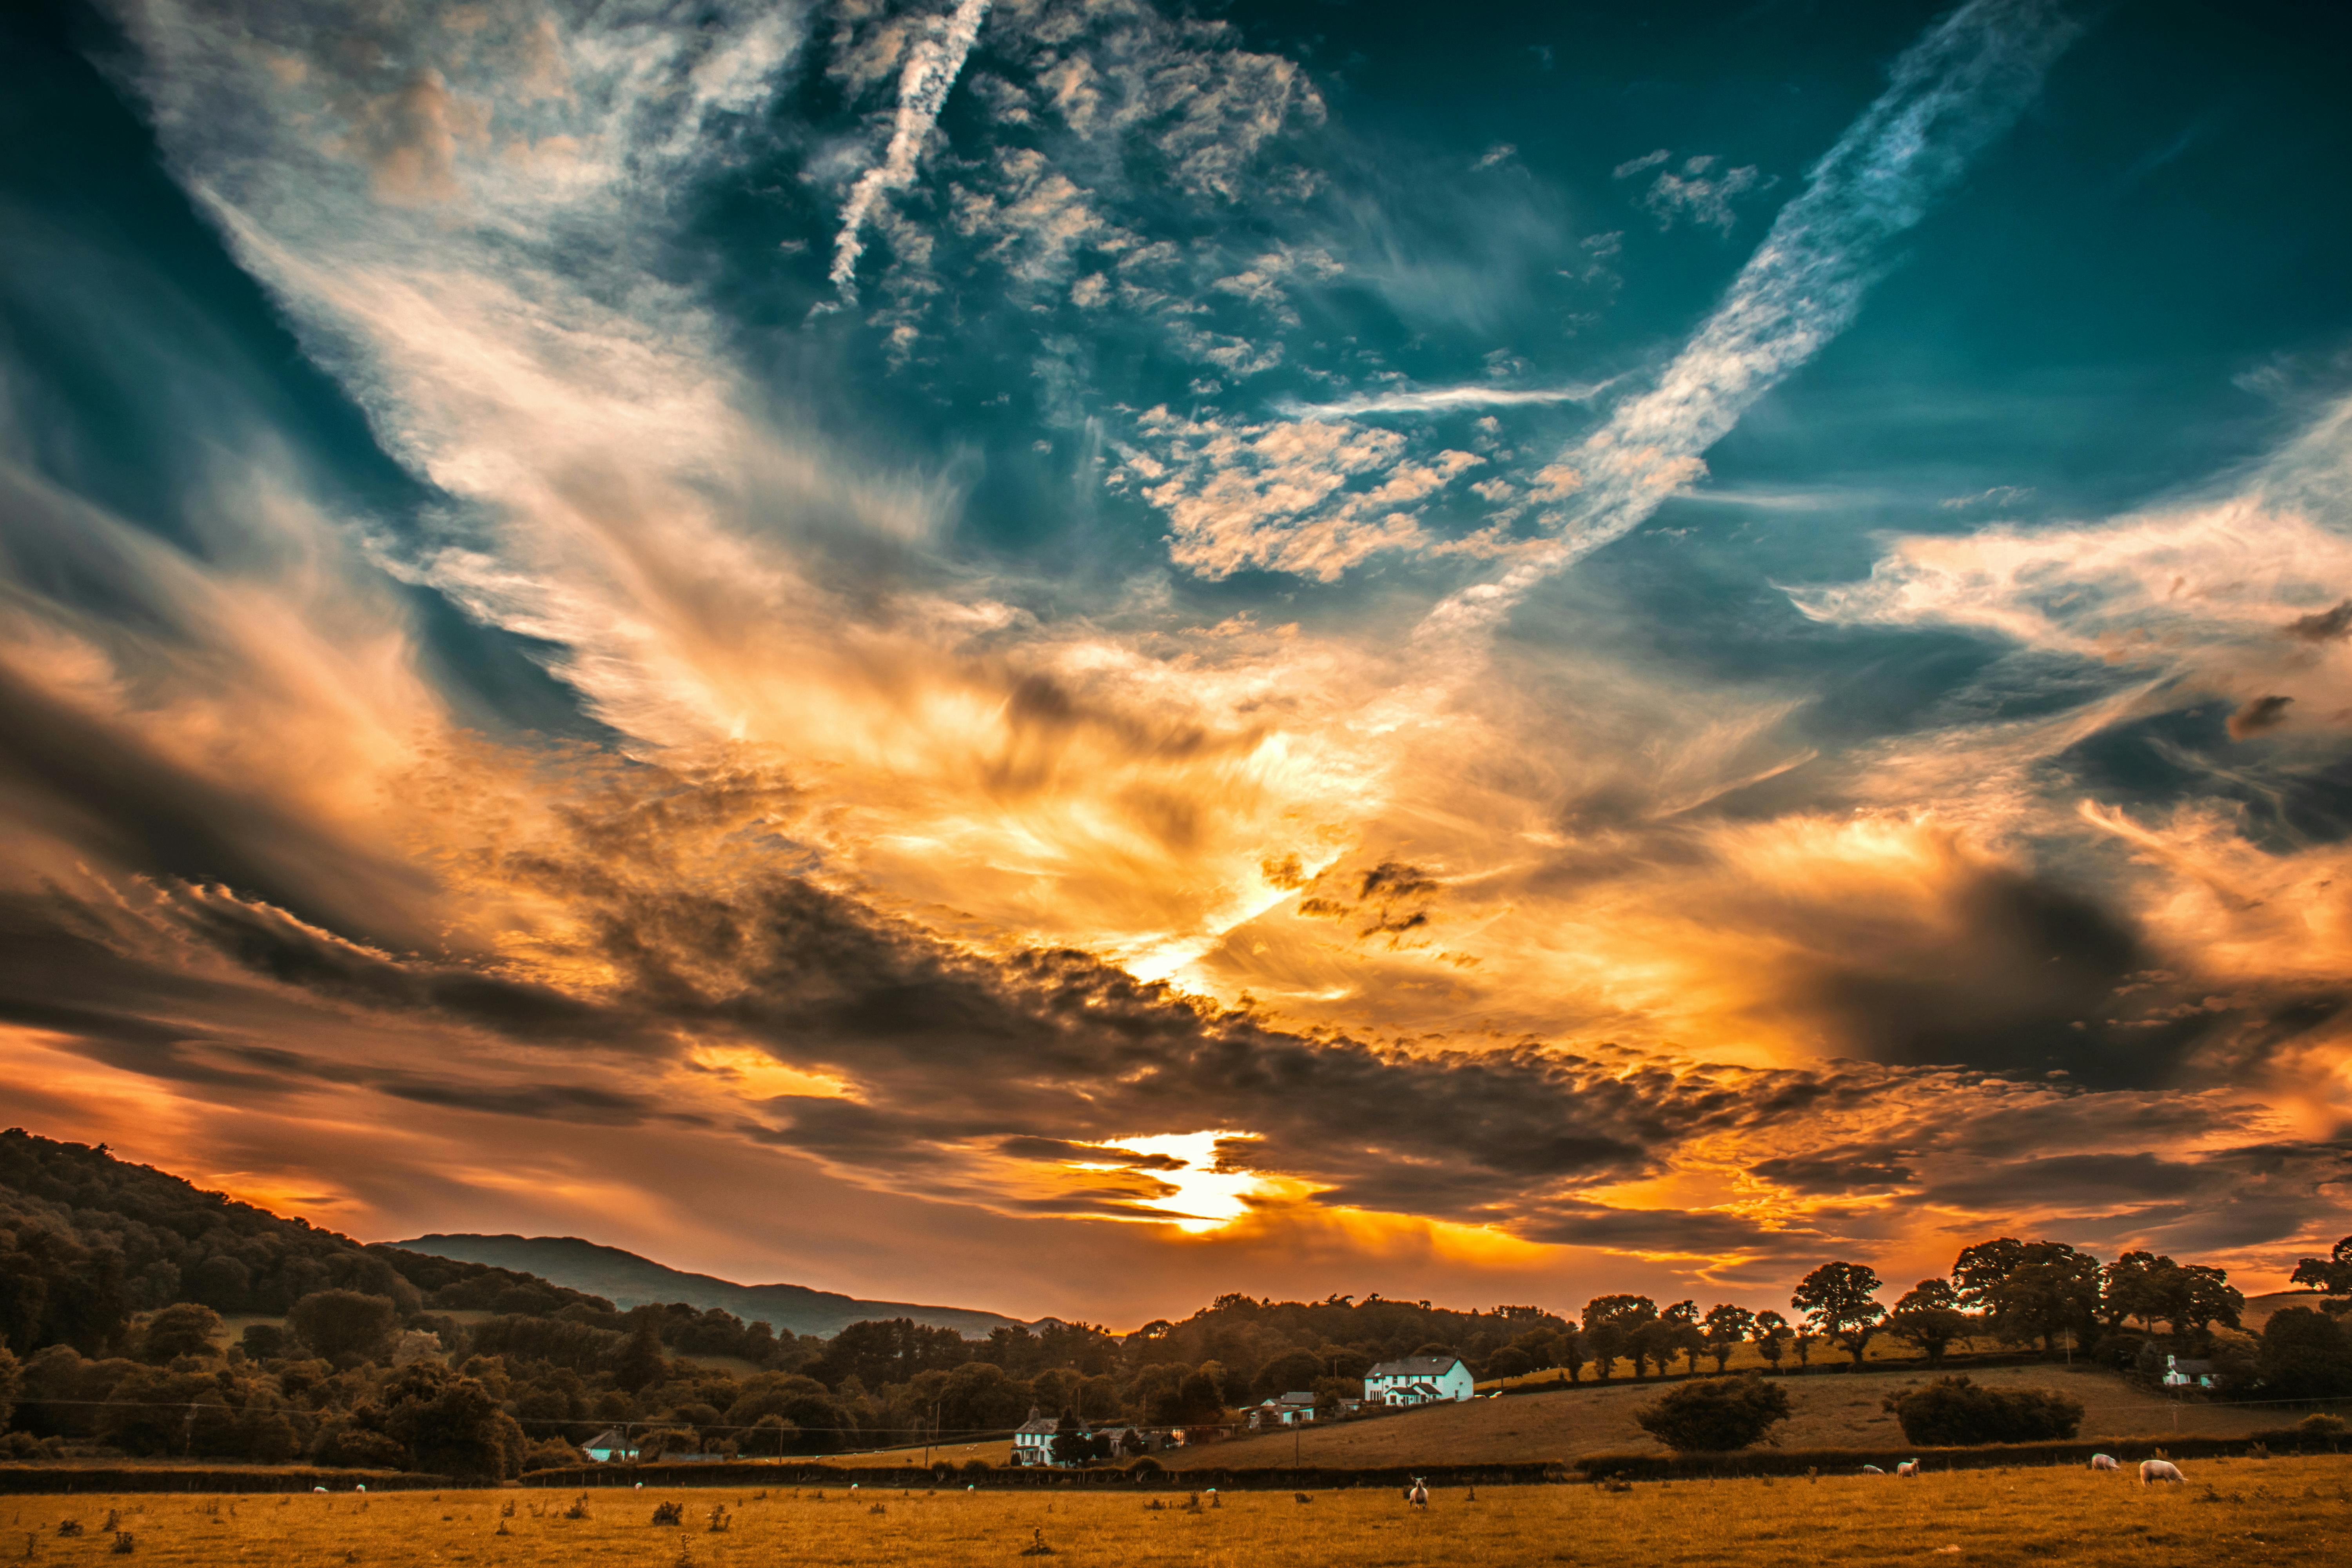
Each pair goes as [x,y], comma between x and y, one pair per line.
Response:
[1831,1410]
[2233,1512]
[996,1453]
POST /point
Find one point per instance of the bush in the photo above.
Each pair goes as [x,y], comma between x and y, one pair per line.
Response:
[2305,1355]
[979,1466]
[1715,1415]
[1147,1467]
[1954,1411]
[2323,1428]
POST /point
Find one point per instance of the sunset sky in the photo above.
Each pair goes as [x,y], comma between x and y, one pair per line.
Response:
[1061,656]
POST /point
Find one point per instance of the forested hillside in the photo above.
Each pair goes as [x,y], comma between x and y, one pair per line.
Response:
[629,1280]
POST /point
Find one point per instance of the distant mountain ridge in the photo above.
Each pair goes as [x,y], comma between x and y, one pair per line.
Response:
[628,1280]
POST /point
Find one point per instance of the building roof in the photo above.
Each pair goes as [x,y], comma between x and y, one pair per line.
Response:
[1416,1366]
[1037,1423]
[1294,1397]
[610,1437]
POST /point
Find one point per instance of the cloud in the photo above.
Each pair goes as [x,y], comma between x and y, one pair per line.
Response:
[1952,93]
[1444,399]
[2323,625]
[2260,713]
[925,81]
[1632,166]
[1694,195]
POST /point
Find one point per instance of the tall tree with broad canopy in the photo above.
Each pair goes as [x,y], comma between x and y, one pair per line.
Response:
[1837,1302]
[1929,1317]
[1725,1326]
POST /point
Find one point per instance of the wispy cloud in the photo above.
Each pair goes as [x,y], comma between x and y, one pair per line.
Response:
[1953,92]
[924,83]
[1444,400]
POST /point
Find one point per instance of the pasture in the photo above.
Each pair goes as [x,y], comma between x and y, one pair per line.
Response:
[2288,1510]
[1831,1409]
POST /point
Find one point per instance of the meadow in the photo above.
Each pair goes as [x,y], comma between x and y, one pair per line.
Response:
[1830,1409]
[2285,1510]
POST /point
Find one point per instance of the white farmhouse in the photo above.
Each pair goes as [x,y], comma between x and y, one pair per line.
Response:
[1032,1440]
[1419,1380]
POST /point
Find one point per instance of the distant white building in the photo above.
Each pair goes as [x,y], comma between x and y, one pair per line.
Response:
[1419,1380]
[1032,1440]
[1289,1410]
[610,1446]
[2182,1371]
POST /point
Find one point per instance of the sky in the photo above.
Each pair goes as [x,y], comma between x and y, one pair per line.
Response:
[1066,657]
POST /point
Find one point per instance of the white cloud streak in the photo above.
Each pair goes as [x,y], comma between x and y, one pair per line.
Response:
[1444,400]
[1959,87]
[929,74]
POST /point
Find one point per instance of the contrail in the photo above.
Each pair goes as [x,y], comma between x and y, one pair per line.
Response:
[924,83]
[1441,399]
[1954,91]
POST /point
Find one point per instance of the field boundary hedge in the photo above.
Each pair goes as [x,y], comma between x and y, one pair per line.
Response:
[1991,1456]
[16,1480]
[1028,1477]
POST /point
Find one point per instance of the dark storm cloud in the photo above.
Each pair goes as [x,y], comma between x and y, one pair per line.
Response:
[2259,714]
[2016,974]
[1831,1171]
[2323,625]
[2076,1180]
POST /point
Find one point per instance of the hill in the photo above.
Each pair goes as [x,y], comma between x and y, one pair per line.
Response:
[88,1241]
[1832,1409]
[628,1280]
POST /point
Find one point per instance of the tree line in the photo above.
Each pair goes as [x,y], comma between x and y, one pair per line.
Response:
[374,1367]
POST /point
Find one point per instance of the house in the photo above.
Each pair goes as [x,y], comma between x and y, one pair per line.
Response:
[1419,1380]
[609,1446]
[1032,1440]
[1288,1410]
[2187,1372]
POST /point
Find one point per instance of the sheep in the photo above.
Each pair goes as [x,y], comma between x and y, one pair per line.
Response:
[2161,1470]
[1872,1470]
[1907,1468]
[2105,1462]
[1419,1495]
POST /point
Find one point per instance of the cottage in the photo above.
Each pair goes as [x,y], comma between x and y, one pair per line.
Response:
[1032,1440]
[610,1446]
[1288,1410]
[2187,1372]
[1419,1380]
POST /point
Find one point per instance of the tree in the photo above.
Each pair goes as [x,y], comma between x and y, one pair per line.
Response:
[2202,1295]
[2137,1284]
[1287,1373]
[2030,1290]
[182,1329]
[1715,1415]
[638,1361]
[1610,1324]
[451,1425]
[1929,1317]
[2332,1274]
[12,1380]
[1683,1334]
[345,1327]
[1725,1326]
[2305,1355]
[1836,1299]
[1956,1412]
[1771,1336]
[1508,1362]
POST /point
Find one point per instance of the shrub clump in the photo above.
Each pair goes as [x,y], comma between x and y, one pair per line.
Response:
[1955,1413]
[1715,1415]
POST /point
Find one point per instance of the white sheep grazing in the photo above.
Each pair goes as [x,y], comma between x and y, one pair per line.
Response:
[1907,1468]
[1872,1470]
[2161,1470]
[1418,1495]
[2105,1462]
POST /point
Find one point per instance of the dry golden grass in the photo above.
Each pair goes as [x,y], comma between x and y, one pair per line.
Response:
[996,1453]
[1831,1410]
[2243,1512]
